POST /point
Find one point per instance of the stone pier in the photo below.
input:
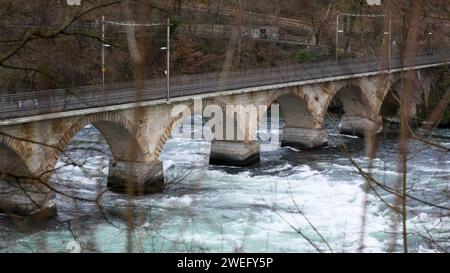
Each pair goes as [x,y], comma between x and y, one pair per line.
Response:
[303,138]
[234,153]
[359,126]
[136,177]
[26,197]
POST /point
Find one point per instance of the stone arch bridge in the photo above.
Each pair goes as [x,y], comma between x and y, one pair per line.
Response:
[35,127]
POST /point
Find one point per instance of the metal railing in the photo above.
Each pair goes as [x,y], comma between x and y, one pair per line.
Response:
[60,100]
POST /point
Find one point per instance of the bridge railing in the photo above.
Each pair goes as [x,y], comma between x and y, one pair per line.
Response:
[59,100]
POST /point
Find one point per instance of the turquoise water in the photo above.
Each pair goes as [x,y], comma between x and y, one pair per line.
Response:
[271,207]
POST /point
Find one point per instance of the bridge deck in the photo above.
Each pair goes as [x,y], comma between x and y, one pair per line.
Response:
[61,100]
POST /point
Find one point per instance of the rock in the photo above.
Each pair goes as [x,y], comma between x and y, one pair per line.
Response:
[303,138]
[359,126]
[234,153]
[137,177]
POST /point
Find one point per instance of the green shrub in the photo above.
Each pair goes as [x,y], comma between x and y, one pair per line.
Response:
[307,55]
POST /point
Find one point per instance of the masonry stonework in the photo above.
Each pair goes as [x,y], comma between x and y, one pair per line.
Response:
[136,136]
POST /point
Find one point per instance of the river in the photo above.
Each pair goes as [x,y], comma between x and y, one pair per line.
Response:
[293,201]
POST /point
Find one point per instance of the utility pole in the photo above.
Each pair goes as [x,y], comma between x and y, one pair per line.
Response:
[168,59]
[132,24]
[103,50]
[167,48]
[430,48]
[390,43]
[337,37]
[360,15]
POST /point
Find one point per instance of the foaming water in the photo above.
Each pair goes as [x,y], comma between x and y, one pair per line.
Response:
[271,207]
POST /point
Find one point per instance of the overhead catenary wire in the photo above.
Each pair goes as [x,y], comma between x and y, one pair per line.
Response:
[361,15]
[134,24]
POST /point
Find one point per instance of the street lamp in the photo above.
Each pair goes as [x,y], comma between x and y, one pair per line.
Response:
[389,33]
[167,48]
[103,50]
[103,61]
[430,49]
[363,15]
[390,43]
[131,24]
[337,36]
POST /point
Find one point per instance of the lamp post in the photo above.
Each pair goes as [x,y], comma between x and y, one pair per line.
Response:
[389,33]
[363,15]
[132,24]
[430,49]
[167,48]
[390,43]
[103,50]
[337,37]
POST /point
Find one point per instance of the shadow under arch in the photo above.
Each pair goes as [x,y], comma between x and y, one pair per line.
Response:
[350,112]
[352,101]
[232,133]
[187,112]
[21,192]
[121,134]
[130,168]
[293,107]
[390,107]
[300,128]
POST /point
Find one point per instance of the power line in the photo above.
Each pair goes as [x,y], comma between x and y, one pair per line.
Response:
[133,24]
[361,15]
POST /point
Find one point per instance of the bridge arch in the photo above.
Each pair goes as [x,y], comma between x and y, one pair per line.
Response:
[21,191]
[294,107]
[122,136]
[390,99]
[351,99]
[174,122]
[302,128]
[350,107]
[15,146]
[11,159]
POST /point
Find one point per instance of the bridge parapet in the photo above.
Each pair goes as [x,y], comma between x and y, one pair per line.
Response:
[98,97]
